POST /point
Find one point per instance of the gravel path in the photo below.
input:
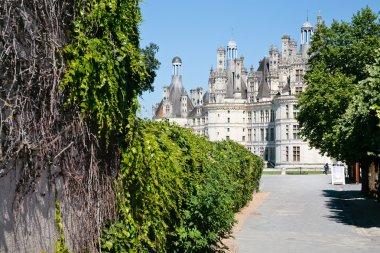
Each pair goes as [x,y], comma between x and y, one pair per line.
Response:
[305,213]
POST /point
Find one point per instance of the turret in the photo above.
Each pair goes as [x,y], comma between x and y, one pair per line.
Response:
[232,50]
[285,39]
[221,58]
[252,85]
[273,57]
[176,62]
[306,33]
[237,77]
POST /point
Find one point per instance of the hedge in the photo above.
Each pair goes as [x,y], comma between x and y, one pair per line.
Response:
[178,192]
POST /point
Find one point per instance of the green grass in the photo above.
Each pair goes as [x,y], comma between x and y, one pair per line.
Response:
[296,172]
[304,172]
[272,172]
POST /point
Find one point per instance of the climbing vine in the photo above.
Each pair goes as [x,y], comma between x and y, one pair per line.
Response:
[106,69]
[60,242]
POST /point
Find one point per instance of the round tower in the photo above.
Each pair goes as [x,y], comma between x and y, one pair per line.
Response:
[177,62]
[306,33]
[232,50]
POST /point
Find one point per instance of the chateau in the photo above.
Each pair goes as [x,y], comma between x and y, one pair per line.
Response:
[256,108]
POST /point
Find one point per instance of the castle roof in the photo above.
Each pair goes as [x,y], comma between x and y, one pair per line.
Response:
[307,24]
[175,92]
[176,60]
[263,89]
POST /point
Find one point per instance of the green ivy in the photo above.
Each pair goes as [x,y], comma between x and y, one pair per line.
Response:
[60,242]
[106,69]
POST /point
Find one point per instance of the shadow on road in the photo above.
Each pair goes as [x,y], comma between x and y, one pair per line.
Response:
[351,208]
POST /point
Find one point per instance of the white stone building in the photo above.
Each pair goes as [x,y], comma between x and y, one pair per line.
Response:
[257,109]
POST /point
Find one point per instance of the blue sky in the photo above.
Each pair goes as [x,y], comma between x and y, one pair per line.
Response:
[194,29]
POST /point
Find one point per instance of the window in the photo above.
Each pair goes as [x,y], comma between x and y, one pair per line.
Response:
[194,122]
[254,134]
[254,116]
[199,121]
[299,75]
[266,154]
[243,138]
[167,109]
[298,90]
[203,120]
[262,151]
[262,116]
[295,111]
[287,153]
[287,111]
[295,132]
[228,120]
[272,116]
[262,134]
[287,132]
[228,129]
[296,153]
[227,137]
[267,134]
[249,134]
[266,116]
[249,116]
[271,135]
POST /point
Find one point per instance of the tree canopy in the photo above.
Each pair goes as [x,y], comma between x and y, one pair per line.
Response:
[338,108]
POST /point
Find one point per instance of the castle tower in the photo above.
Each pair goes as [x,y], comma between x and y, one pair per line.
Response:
[306,32]
[273,57]
[285,40]
[237,77]
[221,58]
[252,87]
[177,62]
[319,18]
[232,50]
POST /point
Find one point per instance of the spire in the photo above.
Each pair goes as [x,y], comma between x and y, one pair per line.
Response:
[319,18]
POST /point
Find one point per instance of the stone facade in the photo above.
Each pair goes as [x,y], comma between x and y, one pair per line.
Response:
[257,109]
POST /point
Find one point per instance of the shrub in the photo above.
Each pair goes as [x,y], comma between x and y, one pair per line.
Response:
[178,192]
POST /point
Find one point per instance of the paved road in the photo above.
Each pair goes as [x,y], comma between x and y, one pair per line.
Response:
[305,213]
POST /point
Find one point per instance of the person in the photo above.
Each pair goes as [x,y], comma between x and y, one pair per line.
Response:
[326,169]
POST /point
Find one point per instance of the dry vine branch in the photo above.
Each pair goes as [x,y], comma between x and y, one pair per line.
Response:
[37,131]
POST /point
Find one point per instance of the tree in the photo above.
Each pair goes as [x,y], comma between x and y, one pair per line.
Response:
[339,56]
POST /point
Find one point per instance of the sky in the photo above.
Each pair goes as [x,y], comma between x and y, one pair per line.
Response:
[195,29]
